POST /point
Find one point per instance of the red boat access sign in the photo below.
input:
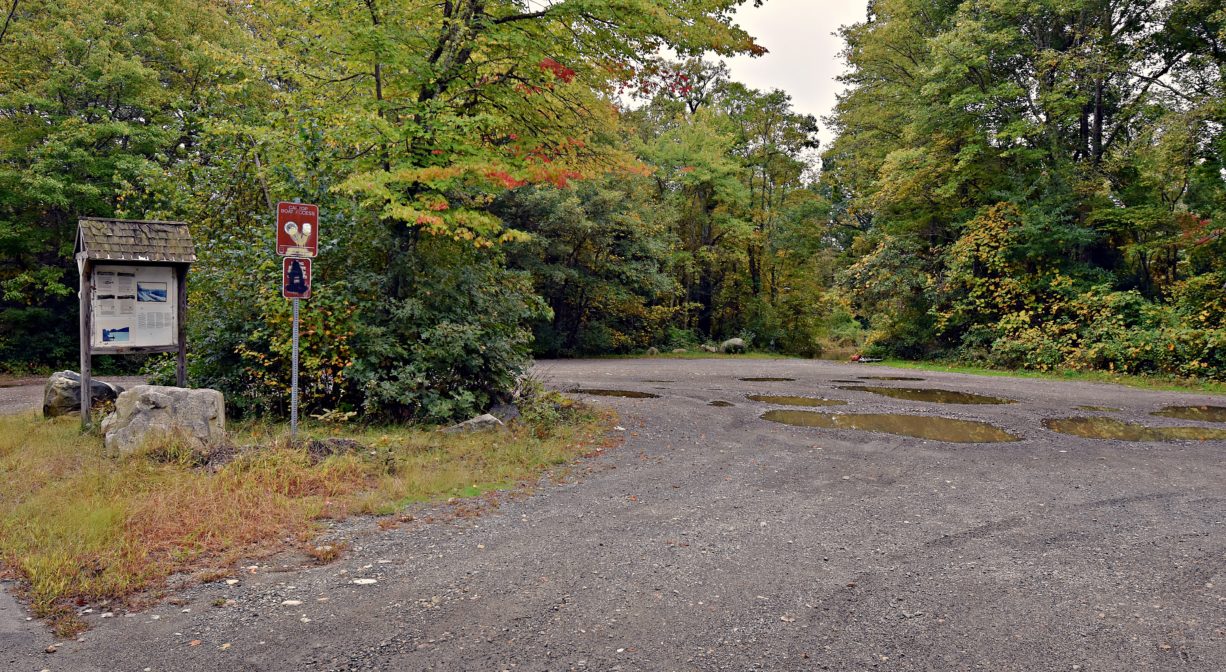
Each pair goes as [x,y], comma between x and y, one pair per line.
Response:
[297,229]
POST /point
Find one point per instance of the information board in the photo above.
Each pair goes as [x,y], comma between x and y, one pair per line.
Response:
[134,306]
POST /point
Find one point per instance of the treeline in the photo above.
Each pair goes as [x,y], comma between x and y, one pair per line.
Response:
[1036,183]
[1033,184]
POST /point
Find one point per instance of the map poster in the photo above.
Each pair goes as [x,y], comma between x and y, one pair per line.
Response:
[134,306]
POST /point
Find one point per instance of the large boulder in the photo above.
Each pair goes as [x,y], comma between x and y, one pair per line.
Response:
[733,345]
[62,394]
[147,411]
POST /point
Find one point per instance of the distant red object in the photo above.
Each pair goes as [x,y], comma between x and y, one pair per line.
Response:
[855,358]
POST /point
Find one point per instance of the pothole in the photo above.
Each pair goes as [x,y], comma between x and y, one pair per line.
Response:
[786,400]
[890,378]
[1099,409]
[929,394]
[1205,413]
[851,382]
[658,381]
[629,394]
[1110,428]
[918,426]
[766,380]
[720,403]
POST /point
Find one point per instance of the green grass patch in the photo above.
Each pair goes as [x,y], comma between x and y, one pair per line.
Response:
[1163,383]
[78,525]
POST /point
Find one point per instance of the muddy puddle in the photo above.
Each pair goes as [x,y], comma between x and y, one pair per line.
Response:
[766,380]
[629,394]
[918,426]
[850,382]
[1203,413]
[1110,428]
[786,400]
[658,381]
[720,403]
[1099,409]
[929,394]
[913,378]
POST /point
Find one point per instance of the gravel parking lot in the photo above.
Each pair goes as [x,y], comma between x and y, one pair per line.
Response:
[713,539]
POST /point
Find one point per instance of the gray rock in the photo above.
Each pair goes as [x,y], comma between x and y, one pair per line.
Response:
[505,412]
[679,351]
[733,345]
[146,411]
[481,423]
[652,352]
[62,394]
[707,347]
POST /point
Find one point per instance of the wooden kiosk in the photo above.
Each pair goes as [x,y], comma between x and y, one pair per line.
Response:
[133,292]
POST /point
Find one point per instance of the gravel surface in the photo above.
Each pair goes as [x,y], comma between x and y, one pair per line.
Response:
[714,540]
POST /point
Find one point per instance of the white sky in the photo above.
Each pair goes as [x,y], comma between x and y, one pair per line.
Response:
[804,51]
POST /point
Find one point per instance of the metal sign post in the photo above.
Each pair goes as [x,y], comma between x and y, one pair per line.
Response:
[298,240]
[293,400]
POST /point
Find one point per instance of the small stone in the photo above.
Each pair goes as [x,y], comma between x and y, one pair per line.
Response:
[787,618]
[231,582]
[291,603]
[223,647]
[107,615]
[364,582]
[51,649]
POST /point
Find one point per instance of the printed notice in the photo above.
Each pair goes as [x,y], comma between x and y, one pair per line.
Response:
[134,306]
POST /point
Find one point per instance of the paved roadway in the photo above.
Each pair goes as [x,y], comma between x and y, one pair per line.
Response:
[715,540]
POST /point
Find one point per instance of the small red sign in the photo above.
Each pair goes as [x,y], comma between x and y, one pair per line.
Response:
[296,278]
[297,229]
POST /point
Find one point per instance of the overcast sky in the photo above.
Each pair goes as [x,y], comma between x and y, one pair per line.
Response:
[804,51]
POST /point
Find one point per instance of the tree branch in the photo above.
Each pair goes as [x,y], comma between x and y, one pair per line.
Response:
[8,19]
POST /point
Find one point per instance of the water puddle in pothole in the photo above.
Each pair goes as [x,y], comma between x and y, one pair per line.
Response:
[1099,409]
[851,382]
[929,394]
[658,381]
[1204,413]
[786,400]
[629,394]
[890,378]
[1110,428]
[918,426]
[766,380]
[720,403]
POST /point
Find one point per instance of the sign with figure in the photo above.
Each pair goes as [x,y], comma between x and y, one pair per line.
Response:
[297,229]
[296,278]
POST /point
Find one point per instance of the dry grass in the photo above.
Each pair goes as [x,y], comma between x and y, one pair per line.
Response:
[79,526]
